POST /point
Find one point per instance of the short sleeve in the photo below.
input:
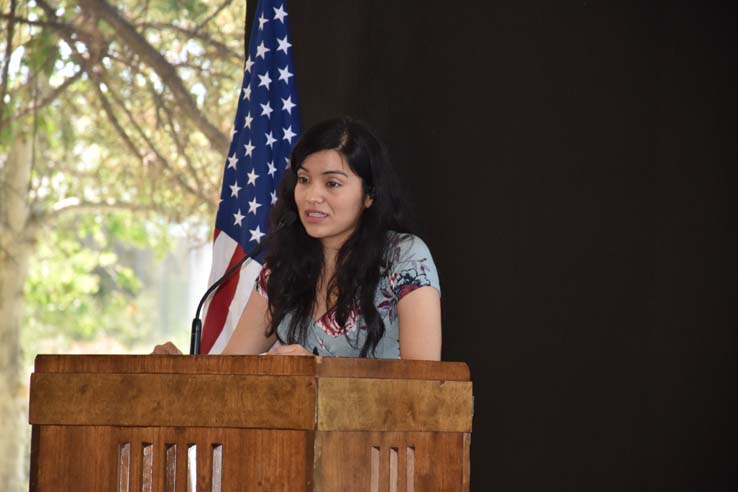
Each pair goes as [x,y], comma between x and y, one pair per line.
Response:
[260,284]
[412,266]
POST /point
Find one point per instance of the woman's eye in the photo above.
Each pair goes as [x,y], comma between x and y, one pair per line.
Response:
[333,184]
[302,179]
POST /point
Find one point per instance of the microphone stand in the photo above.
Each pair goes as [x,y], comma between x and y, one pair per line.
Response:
[196,333]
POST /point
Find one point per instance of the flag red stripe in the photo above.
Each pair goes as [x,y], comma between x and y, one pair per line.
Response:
[218,310]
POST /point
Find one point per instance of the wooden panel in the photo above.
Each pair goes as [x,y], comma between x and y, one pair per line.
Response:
[392,369]
[180,364]
[92,465]
[286,402]
[253,459]
[394,405]
[343,460]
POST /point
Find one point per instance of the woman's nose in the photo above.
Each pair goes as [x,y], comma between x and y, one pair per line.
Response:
[314,194]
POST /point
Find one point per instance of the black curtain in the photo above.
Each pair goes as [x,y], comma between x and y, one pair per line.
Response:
[572,164]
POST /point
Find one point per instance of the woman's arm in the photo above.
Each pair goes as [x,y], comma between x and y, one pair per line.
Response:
[419,316]
[249,337]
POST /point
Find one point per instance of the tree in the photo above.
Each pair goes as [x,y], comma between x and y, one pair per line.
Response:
[103,109]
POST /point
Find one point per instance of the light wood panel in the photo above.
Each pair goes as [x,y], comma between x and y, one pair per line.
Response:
[391,369]
[394,405]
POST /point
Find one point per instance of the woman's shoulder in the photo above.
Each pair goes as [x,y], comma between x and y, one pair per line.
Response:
[411,264]
[405,247]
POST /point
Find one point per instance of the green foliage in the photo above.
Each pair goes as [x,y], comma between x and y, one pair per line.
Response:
[94,271]
[193,9]
[42,51]
[84,282]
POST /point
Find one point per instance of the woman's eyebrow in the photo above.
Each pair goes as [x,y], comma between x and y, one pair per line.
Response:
[336,172]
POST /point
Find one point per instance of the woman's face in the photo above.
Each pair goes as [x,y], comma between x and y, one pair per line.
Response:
[330,197]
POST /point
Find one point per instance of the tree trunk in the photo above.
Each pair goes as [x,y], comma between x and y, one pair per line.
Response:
[15,250]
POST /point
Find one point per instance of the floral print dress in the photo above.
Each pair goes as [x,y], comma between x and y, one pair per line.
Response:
[411,267]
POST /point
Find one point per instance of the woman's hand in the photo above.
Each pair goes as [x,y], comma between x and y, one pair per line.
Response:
[167,348]
[294,349]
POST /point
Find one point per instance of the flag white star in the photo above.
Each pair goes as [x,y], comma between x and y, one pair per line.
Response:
[287,104]
[266,109]
[235,189]
[262,20]
[264,80]
[272,168]
[246,93]
[284,45]
[284,74]
[247,121]
[261,50]
[256,234]
[249,149]
[252,177]
[249,64]
[253,205]
[238,218]
[286,162]
[234,131]
[279,13]
[289,134]
[274,197]
[270,140]
[232,160]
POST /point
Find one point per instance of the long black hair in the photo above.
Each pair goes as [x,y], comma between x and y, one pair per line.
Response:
[295,260]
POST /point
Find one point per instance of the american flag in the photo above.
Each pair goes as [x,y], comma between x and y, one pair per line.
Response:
[266,128]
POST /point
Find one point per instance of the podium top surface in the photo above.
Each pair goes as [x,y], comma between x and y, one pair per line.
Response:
[335,367]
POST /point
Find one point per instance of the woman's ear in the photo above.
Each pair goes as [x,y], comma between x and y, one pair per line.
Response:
[368,200]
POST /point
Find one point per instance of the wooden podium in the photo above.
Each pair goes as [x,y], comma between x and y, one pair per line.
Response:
[237,423]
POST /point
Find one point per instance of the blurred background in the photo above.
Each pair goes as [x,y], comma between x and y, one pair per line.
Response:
[114,124]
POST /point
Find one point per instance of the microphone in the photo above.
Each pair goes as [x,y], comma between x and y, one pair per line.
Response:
[196,334]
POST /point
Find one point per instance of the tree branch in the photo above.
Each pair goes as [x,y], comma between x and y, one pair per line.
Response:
[166,72]
[108,108]
[22,20]
[160,158]
[180,148]
[213,15]
[221,48]
[48,99]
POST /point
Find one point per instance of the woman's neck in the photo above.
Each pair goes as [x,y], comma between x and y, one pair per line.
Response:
[329,260]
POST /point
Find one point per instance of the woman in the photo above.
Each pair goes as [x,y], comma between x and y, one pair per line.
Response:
[347,279]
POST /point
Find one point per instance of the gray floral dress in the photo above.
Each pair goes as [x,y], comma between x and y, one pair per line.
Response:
[411,267]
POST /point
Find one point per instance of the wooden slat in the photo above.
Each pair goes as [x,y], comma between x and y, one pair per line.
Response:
[286,402]
[391,369]
[343,460]
[177,364]
[253,459]
[466,478]
[394,405]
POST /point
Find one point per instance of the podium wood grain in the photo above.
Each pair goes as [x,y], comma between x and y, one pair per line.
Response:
[114,423]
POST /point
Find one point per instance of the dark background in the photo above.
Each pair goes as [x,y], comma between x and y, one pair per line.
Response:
[572,165]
